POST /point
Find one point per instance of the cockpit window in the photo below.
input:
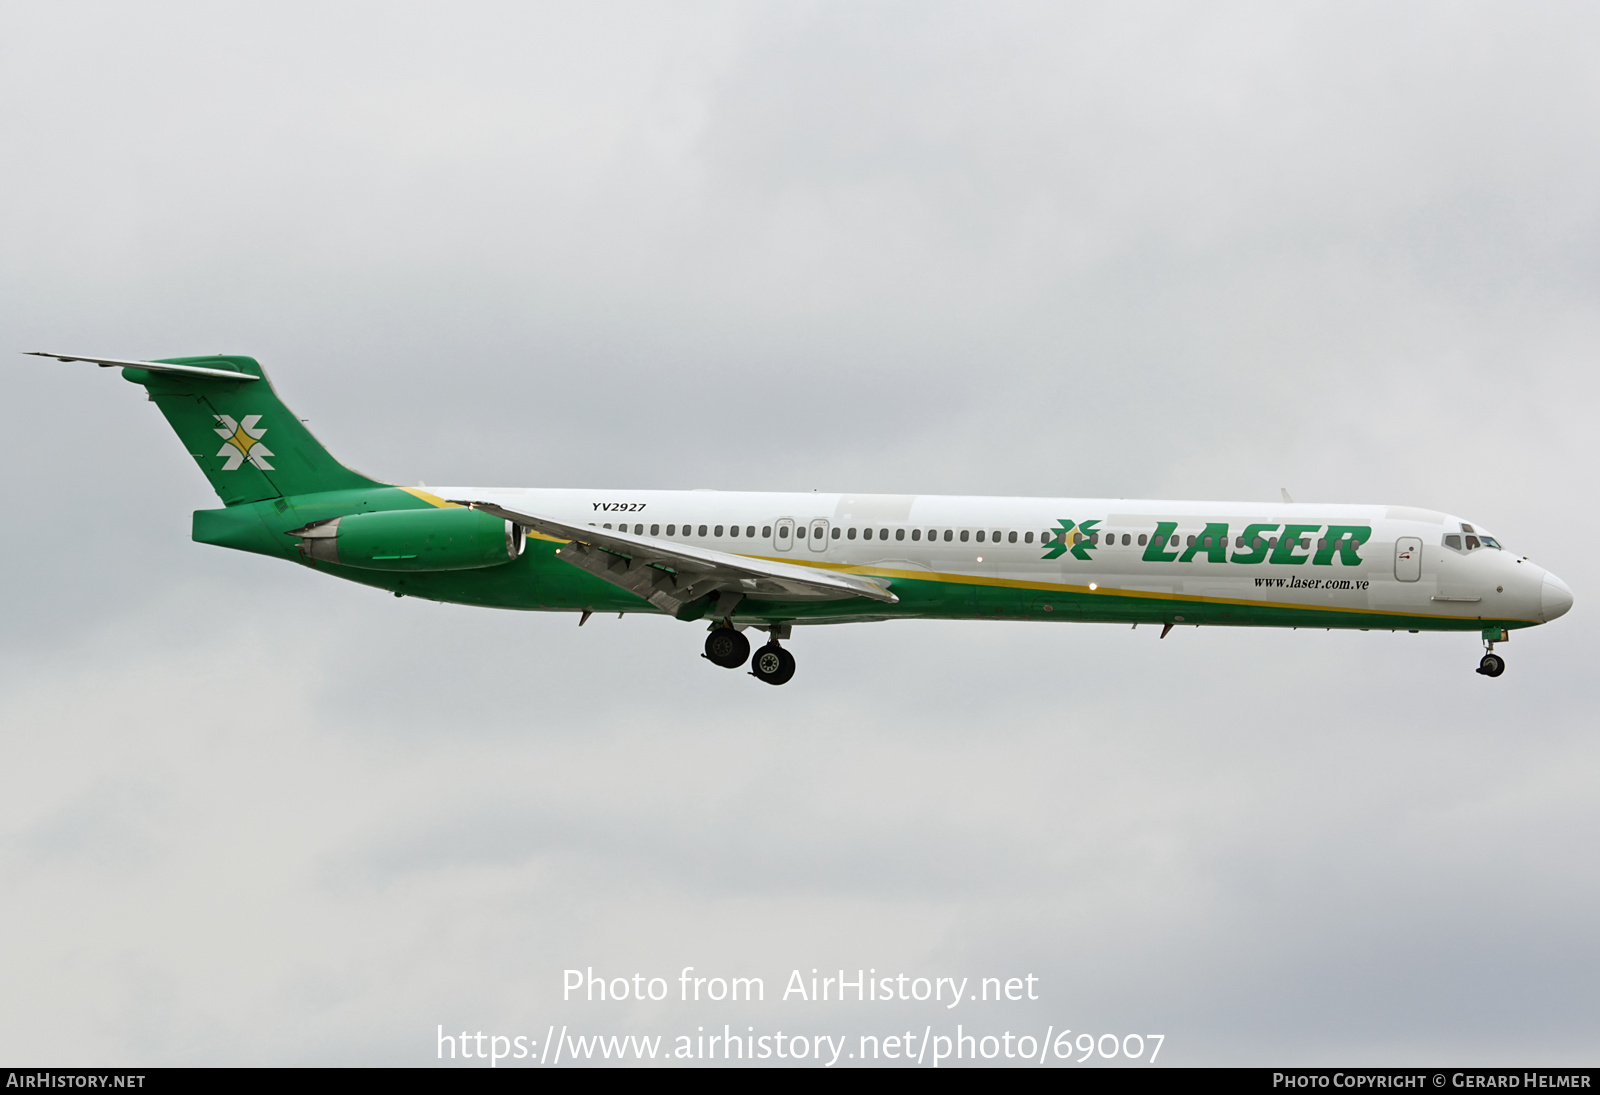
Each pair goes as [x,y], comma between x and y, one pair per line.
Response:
[1452,541]
[1490,541]
[1473,544]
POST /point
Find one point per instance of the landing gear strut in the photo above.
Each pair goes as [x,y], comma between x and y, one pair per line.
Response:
[772,664]
[727,647]
[1492,664]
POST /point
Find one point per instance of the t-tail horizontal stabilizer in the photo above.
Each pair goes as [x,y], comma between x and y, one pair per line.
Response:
[151,366]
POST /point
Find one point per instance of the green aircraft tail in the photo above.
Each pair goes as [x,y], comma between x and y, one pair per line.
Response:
[249,445]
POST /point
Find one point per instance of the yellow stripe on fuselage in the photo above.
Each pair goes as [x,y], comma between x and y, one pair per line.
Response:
[1055,587]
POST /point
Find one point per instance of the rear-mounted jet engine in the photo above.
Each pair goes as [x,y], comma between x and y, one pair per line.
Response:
[413,540]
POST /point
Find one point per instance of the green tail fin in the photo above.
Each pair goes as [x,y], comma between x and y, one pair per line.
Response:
[249,445]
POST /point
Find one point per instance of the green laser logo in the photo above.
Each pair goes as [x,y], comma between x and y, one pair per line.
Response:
[1065,539]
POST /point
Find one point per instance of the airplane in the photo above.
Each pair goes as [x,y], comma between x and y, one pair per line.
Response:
[769,562]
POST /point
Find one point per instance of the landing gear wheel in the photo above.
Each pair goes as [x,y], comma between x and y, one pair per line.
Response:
[1492,665]
[772,664]
[727,648]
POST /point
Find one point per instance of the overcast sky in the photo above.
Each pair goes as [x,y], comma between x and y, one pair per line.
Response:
[255,816]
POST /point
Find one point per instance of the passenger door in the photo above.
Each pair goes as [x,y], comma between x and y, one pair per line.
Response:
[1407,559]
[783,535]
[819,534]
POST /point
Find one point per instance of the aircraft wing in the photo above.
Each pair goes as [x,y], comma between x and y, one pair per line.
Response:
[670,575]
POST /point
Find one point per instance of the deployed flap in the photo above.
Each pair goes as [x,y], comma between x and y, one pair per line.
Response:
[670,575]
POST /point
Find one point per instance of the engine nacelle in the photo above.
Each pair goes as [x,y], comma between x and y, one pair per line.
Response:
[454,538]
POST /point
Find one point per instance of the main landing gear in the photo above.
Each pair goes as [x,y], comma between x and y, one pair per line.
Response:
[1492,664]
[772,664]
[726,646]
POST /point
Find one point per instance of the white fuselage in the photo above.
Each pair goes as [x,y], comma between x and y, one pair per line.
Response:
[1400,563]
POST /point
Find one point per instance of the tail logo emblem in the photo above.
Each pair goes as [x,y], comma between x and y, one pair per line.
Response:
[241,441]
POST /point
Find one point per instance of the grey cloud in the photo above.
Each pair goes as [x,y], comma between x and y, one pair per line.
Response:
[1203,251]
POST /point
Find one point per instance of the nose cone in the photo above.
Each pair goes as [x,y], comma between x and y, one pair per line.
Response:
[1555,598]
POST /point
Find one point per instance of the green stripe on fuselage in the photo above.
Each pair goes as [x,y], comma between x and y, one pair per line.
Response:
[539,580]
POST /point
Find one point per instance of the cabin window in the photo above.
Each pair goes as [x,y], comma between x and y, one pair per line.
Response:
[608,524]
[980,536]
[655,530]
[1094,538]
[766,530]
[702,530]
[783,532]
[835,534]
[1322,542]
[899,534]
[718,530]
[1011,537]
[672,530]
[916,534]
[1141,539]
[1191,540]
[1272,542]
[851,535]
[1305,543]
[949,535]
[963,536]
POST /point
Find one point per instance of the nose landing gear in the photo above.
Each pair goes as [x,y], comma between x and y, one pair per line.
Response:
[1492,664]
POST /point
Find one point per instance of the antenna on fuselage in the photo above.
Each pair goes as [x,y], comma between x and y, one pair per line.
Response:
[1285,492]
